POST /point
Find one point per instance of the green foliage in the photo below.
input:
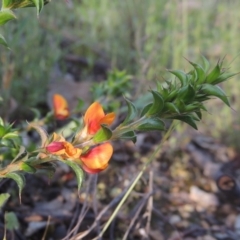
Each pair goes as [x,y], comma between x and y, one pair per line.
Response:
[3,198]
[182,99]
[78,171]
[103,134]
[14,4]
[131,112]
[5,16]
[19,179]
[157,105]
[151,124]
[117,84]
[11,221]
[130,135]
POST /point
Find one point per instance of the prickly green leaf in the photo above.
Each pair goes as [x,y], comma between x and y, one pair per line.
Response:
[3,41]
[131,114]
[3,198]
[1,122]
[27,168]
[182,76]
[187,119]
[215,91]
[146,109]
[187,93]
[192,107]
[200,72]
[78,171]
[190,95]
[11,135]
[22,155]
[39,5]
[129,136]
[2,131]
[6,15]
[223,77]
[103,134]
[19,179]
[157,105]
[150,124]
[206,63]
[171,96]
[171,107]
[11,221]
[13,4]
[199,114]
[214,74]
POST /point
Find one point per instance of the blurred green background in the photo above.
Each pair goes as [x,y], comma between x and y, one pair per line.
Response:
[142,37]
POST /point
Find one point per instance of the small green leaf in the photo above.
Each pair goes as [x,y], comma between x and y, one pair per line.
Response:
[3,41]
[170,107]
[187,119]
[171,96]
[6,15]
[187,93]
[27,168]
[13,4]
[215,91]
[39,5]
[19,179]
[78,171]
[145,109]
[199,114]
[22,155]
[11,221]
[103,134]
[1,122]
[201,75]
[189,97]
[2,131]
[214,74]
[150,124]
[192,107]
[3,198]
[11,135]
[131,114]
[206,63]
[157,105]
[182,76]
[129,136]
[223,77]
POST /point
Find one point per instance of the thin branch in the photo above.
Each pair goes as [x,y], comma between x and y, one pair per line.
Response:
[142,204]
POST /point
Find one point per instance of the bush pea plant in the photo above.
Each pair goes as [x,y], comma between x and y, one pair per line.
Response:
[89,149]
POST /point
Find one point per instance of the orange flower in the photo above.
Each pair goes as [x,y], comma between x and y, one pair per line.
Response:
[97,158]
[95,116]
[64,149]
[60,107]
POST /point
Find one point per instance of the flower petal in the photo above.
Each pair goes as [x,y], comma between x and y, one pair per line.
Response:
[108,119]
[98,157]
[71,151]
[93,116]
[91,171]
[60,107]
[54,147]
